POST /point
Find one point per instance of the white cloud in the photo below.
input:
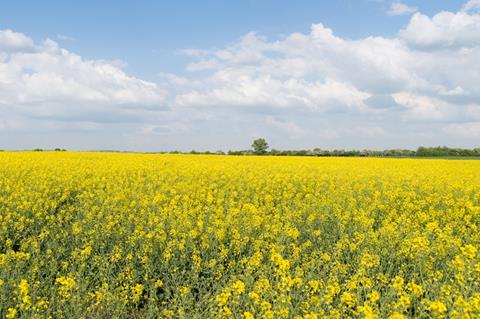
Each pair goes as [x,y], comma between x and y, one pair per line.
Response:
[322,72]
[423,107]
[13,41]
[471,5]
[43,80]
[399,8]
[233,89]
[443,30]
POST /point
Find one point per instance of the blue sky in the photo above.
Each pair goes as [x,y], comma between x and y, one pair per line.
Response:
[149,34]
[159,75]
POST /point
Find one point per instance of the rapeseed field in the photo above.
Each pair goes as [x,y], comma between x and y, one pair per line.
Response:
[105,235]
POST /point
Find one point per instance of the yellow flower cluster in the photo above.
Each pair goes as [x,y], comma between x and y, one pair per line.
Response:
[105,235]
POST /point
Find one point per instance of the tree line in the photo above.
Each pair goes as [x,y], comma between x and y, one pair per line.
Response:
[261,147]
[420,152]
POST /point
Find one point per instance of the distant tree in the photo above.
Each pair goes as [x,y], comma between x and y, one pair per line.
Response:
[275,152]
[260,146]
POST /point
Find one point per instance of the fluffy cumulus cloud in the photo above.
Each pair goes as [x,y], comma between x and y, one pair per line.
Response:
[444,30]
[45,81]
[231,89]
[418,87]
[320,71]
[399,8]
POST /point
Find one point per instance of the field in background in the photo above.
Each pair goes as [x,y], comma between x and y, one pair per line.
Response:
[101,235]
